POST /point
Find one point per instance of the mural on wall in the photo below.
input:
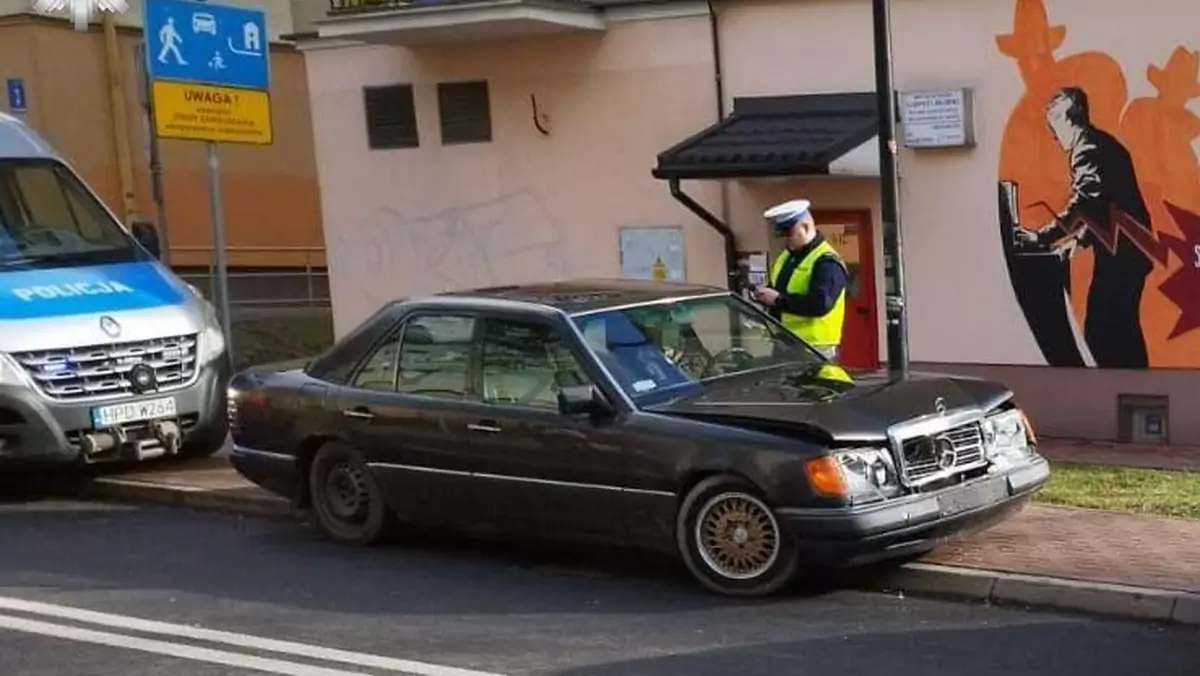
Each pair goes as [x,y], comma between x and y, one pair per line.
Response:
[1099,202]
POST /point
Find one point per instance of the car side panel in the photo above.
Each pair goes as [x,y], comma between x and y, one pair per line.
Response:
[417,449]
[668,454]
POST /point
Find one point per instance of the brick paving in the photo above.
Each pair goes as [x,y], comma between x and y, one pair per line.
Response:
[1085,544]
[1063,542]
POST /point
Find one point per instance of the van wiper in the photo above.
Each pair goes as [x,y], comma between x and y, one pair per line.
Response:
[14,262]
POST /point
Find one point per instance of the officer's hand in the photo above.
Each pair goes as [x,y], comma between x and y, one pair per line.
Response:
[766,295]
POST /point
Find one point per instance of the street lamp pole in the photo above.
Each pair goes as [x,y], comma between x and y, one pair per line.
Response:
[889,198]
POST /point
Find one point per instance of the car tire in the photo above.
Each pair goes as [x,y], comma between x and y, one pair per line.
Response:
[345,498]
[731,540]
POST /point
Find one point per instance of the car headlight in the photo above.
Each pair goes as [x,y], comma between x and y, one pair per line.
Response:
[859,475]
[1007,437]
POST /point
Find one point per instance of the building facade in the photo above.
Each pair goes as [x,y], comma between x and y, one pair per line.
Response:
[271,202]
[480,142]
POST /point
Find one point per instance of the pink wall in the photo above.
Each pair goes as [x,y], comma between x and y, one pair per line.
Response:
[961,307]
[524,207]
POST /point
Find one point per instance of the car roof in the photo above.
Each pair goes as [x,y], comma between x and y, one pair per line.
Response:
[582,295]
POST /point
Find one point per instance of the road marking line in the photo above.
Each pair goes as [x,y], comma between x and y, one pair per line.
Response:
[239,640]
[179,650]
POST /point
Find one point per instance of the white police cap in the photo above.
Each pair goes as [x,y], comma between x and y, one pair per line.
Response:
[783,216]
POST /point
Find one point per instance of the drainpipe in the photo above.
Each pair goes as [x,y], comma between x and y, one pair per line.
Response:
[731,256]
[721,225]
[120,118]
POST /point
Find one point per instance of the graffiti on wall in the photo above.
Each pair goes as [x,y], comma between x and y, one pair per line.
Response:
[1099,200]
[506,240]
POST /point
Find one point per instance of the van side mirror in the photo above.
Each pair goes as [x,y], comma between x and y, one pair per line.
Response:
[146,234]
[579,399]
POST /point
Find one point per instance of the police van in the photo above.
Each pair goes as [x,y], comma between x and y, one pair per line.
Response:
[104,353]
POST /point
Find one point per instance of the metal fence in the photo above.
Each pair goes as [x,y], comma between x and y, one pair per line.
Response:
[304,283]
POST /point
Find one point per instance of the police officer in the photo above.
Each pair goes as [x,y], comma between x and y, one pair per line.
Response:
[806,288]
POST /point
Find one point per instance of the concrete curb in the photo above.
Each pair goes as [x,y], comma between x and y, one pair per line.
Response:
[249,501]
[917,579]
[989,586]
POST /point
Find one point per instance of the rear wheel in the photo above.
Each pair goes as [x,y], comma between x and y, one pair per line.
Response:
[345,498]
[731,540]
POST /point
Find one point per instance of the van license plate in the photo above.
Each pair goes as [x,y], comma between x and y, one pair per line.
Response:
[134,411]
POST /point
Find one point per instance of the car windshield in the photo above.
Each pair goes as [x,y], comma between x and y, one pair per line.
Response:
[49,219]
[661,350]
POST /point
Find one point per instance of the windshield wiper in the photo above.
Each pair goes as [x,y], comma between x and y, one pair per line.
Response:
[13,262]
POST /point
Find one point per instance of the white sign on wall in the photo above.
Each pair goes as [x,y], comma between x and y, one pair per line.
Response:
[938,119]
[654,253]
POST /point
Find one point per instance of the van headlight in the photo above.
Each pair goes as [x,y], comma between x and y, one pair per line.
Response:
[212,338]
[859,475]
[1007,437]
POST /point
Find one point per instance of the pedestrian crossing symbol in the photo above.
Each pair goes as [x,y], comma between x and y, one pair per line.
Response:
[81,11]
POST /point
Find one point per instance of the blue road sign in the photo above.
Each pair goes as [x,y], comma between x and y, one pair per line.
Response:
[206,43]
[16,95]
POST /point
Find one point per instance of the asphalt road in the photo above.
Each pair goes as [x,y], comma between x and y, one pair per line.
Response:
[437,604]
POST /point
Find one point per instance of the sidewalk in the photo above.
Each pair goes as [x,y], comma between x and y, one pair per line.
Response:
[1091,560]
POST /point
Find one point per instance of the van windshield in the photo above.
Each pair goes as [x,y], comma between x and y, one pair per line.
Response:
[49,219]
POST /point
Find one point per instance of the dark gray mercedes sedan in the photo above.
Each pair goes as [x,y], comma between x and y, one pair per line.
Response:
[668,416]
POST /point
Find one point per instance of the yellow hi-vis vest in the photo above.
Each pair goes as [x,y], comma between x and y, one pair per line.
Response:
[818,331]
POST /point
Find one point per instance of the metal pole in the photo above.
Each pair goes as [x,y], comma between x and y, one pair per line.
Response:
[218,238]
[155,160]
[120,117]
[889,198]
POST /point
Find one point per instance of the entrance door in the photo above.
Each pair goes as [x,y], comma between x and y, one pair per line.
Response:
[850,233]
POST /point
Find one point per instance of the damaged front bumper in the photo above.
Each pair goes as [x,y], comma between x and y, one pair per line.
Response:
[913,524]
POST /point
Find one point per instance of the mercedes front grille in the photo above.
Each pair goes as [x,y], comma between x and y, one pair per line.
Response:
[928,459]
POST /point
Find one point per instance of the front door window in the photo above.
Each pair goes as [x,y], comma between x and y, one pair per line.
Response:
[526,364]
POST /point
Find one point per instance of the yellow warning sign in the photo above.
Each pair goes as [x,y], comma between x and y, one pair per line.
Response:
[205,113]
[659,270]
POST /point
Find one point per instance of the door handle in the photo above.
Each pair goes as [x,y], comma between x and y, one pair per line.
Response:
[484,426]
[359,413]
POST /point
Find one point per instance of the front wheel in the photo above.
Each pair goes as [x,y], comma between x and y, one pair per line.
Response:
[731,541]
[345,498]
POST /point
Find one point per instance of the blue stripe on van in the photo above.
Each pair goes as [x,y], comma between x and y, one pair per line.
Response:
[61,292]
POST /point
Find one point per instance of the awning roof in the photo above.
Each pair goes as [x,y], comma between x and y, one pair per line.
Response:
[422,22]
[809,134]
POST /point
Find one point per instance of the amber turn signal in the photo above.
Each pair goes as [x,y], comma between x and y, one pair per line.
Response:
[825,477]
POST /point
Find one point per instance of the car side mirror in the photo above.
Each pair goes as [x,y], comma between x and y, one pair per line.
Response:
[146,235]
[579,399]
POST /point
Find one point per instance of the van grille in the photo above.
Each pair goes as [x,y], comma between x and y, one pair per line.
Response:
[102,370]
[934,457]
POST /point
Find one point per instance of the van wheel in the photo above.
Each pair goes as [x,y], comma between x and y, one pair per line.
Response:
[731,541]
[345,498]
[205,446]
[203,449]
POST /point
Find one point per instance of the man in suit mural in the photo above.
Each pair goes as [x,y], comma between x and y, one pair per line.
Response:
[1105,204]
